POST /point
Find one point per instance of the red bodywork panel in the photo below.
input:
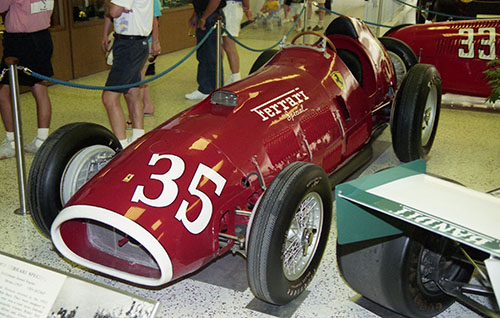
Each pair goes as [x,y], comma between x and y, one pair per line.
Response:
[180,184]
[460,51]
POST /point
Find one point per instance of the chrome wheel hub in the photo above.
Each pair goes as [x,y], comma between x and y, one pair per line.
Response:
[429,116]
[303,236]
[83,166]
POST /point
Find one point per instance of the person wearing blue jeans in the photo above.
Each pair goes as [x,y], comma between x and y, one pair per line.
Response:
[204,18]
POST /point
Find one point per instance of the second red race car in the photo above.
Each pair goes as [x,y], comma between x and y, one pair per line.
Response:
[460,50]
[249,169]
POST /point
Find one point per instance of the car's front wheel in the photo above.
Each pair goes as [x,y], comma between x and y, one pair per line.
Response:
[66,160]
[415,113]
[289,233]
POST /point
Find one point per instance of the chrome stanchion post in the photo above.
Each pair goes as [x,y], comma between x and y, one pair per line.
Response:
[18,137]
[218,72]
[379,16]
[306,20]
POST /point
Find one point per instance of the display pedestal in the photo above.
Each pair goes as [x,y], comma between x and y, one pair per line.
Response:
[32,291]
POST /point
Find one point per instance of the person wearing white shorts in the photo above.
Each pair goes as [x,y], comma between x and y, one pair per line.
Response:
[321,13]
[233,11]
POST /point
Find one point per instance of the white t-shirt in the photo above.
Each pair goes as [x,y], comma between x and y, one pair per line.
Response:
[139,21]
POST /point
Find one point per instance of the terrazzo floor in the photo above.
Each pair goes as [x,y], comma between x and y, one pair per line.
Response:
[466,149]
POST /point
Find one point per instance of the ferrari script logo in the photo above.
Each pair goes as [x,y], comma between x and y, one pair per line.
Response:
[282,104]
[339,80]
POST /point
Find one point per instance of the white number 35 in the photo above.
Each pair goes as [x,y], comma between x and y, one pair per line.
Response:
[170,191]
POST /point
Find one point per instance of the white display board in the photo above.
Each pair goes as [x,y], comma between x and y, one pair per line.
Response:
[32,291]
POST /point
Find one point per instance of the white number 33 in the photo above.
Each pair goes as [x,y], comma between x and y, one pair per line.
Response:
[170,191]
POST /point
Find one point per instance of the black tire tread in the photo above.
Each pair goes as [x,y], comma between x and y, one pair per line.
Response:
[263,58]
[42,173]
[408,111]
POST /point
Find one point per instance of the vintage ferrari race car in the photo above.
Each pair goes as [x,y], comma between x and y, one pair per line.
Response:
[249,169]
[417,239]
[460,51]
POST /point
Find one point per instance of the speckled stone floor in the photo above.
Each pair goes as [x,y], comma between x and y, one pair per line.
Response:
[467,149]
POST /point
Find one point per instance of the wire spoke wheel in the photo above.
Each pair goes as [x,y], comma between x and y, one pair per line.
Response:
[289,232]
[303,237]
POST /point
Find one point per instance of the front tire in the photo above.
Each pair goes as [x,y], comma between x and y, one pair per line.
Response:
[400,273]
[289,233]
[65,161]
[415,113]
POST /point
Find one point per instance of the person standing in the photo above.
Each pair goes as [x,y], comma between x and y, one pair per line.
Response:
[233,12]
[204,18]
[133,22]
[154,51]
[27,37]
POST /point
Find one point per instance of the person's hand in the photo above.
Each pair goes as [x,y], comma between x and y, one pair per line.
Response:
[105,43]
[248,14]
[155,48]
[201,24]
[192,21]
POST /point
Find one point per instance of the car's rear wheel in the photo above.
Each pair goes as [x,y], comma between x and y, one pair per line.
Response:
[289,233]
[67,159]
[401,55]
[415,113]
[263,58]
[401,273]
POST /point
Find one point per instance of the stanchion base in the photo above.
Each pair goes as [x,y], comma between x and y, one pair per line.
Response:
[20,211]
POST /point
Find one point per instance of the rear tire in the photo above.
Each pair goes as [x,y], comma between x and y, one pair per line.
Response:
[62,165]
[401,55]
[263,58]
[399,272]
[415,113]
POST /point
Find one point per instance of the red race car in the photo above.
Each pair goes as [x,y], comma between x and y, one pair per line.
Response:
[460,51]
[249,169]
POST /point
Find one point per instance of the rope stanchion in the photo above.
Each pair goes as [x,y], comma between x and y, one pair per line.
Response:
[218,52]
[18,135]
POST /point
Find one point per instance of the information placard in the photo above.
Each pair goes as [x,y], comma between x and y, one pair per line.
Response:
[28,291]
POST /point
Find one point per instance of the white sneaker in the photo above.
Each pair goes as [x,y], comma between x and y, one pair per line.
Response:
[34,145]
[195,95]
[7,150]
[234,77]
